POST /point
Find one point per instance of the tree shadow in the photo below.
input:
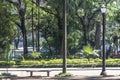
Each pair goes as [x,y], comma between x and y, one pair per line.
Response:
[109,77]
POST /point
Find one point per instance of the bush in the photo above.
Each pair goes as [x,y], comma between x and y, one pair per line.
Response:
[12,62]
[30,62]
[88,52]
[58,63]
[55,61]
[3,63]
[34,55]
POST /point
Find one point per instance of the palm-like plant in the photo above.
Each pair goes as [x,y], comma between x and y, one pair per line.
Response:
[89,52]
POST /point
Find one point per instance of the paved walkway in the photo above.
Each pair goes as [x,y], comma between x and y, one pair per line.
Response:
[80,77]
[78,73]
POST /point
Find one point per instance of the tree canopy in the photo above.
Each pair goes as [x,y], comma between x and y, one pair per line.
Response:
[46,17]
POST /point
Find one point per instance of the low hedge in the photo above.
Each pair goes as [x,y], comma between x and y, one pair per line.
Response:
[58,63]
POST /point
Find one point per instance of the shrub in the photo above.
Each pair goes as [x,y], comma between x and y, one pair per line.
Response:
[58,63]
[55,61]
[12,63]
[30,62]
[34,55]
[88,52]
[3,63]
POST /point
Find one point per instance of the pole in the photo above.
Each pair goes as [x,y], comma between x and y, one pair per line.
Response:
[32,29]
[38,26]
[104,54]
[65,37]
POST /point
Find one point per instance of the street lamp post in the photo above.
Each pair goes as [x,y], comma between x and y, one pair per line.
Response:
[103,10]
[65,37]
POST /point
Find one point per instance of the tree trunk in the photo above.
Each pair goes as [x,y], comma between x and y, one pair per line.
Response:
[97,35]
[25,50]
[60,29]
[16,42]
[49,47]
[84,27]
[84,35]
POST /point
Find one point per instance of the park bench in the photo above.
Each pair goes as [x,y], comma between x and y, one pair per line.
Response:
[31,72]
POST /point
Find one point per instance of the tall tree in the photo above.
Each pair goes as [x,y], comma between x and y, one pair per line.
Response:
[21,6]
[7,28]
[56,11]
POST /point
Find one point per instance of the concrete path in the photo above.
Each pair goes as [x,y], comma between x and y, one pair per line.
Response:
[55,71]
[88,78]
[78,73]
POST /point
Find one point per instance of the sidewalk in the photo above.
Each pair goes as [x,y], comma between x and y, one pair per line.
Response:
[54,71]
[88,78]
[80,77]
[78,73]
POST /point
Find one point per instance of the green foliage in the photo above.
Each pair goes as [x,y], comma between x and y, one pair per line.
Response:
[34,55]
[9,63]
[73,40]
[81,20]
[117,16]
[3,63]
[54,61]
[89,52]
[30,62]
[7,29]
[87,49]
[58,63]
[12,62]
[64,74]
